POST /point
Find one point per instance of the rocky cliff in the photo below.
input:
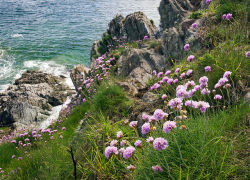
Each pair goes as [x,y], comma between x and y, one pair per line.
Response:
[176,24]
[30,99]
[134,27]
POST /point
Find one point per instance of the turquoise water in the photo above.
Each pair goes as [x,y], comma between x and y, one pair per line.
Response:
[55,35]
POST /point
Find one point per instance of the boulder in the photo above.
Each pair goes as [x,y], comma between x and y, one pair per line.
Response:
[137,25]
[137,66]
[31,98]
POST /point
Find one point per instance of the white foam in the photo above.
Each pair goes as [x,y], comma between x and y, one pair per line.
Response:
[51,67]
[54,114]
[17,35]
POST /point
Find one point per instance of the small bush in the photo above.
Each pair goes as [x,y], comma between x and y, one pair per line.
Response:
[110,99]
[196,15]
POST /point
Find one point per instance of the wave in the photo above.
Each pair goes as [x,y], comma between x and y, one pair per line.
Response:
[17,36]
[50,67]
[6,64]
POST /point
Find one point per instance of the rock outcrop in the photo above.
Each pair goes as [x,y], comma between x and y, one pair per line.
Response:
[176,25]
[31,98]
[78,75]
[134,27]
[137,66]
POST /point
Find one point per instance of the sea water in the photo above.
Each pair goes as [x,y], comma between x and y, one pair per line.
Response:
[55,35]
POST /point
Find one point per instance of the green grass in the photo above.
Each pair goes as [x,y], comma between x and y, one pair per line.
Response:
[205,150]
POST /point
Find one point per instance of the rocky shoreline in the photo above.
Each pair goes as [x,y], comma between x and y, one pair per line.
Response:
[30,100]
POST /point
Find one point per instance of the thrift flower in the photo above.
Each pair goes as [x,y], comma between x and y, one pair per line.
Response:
[159,74]
[129,151]
[170,81]
[150,140]
[19,158]
[194,25]
[224,16]
[110,150]
[113,143]
[177,70]
[123,143]
[189,72]
[167,73]
[145,128]
[164,96]
[217,97]
[138,143]
[190,58]
[186,47]
[119,134]
[229,16]
[168,126]
[207,69]
[182,75]
[247,54]
[131,167]
[227,74]
[13,156]
[157,168]
[133,124]
[160,144]
[154,72]
[208,1]
[175,103]
[159,114]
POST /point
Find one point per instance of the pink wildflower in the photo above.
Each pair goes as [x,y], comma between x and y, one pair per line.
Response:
[207,69]
[110,150]
[160,144]
[129,151]
[138,143]
[168,126]
[145,128]
[157,168]
[190,58]
[186,47]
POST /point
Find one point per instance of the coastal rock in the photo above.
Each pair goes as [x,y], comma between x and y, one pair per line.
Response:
[137,25]
[137,66]
[177,27]
[78,74]
[172,12]
[134,27]
[116,27]
[31,98]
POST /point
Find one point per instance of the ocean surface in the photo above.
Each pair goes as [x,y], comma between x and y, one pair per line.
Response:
[55,35]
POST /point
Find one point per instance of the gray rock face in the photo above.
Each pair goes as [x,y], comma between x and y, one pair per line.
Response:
[135,26]
[31,98]
[137,66]
[116,26]
[172,12]
[78,75]
[177,30]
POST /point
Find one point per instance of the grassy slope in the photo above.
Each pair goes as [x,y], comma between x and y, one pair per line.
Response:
[212,146]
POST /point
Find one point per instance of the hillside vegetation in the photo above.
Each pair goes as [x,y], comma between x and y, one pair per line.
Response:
[197,130]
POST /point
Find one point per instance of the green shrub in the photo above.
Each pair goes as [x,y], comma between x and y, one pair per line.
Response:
[195,15]
[110,100]
[235,7]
